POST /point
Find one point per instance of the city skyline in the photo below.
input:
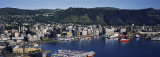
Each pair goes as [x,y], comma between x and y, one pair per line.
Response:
[63,4]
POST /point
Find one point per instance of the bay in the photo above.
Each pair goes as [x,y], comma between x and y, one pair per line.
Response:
[108,47]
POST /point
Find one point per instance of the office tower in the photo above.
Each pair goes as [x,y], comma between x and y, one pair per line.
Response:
[2,29]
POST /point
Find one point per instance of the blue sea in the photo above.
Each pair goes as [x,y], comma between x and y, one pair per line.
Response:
[109,47]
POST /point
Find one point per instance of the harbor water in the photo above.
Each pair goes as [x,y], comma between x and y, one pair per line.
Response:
[109,47]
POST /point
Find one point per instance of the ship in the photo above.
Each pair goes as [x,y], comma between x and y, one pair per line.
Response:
[125,40]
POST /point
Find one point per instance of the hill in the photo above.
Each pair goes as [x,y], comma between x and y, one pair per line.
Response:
[98,15]
[109,16]
[16,11]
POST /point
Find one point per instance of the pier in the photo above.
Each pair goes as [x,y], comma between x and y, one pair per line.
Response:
[150,34]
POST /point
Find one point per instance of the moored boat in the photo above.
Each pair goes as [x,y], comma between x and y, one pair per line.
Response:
[137,36]
[90,56]
[156,38]
[113,36]
[125,40]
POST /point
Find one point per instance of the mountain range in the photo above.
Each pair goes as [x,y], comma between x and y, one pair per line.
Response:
[98,15]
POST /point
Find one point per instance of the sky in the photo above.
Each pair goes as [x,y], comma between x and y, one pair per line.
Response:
[64,4]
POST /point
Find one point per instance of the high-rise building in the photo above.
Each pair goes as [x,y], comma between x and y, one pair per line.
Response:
[75,32]
[61,31]
[16,34]
[70,28]
[19,29]
[100,29]
[78,33]
[89,31]
[34,38]
[84,32]
[2,29]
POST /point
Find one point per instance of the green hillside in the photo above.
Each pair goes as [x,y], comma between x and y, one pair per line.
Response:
[98,15]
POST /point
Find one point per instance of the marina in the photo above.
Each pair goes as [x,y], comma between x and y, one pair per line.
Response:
[69,53]
[72,38]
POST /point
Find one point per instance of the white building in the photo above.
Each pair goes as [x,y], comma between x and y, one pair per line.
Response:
[4,37]
[109,31]
[70,28]
[58,35]
[84,32]
[97,32]
[35,38]
[16,34]
[44,30]
[29,37]
[39,35]
[89,31]
[122,30]
[100,29]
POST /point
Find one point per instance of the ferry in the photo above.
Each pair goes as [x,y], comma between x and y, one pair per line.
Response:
[125,40]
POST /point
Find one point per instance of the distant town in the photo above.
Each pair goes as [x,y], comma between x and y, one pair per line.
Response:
[21,35]
[25,40]
[79,28]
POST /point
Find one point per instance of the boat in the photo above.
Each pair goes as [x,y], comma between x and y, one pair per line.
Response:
[122,36]
[106,36]
[157,38]
[113,36]
[90,56]
[137,36]
[125,40]
[90,38]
